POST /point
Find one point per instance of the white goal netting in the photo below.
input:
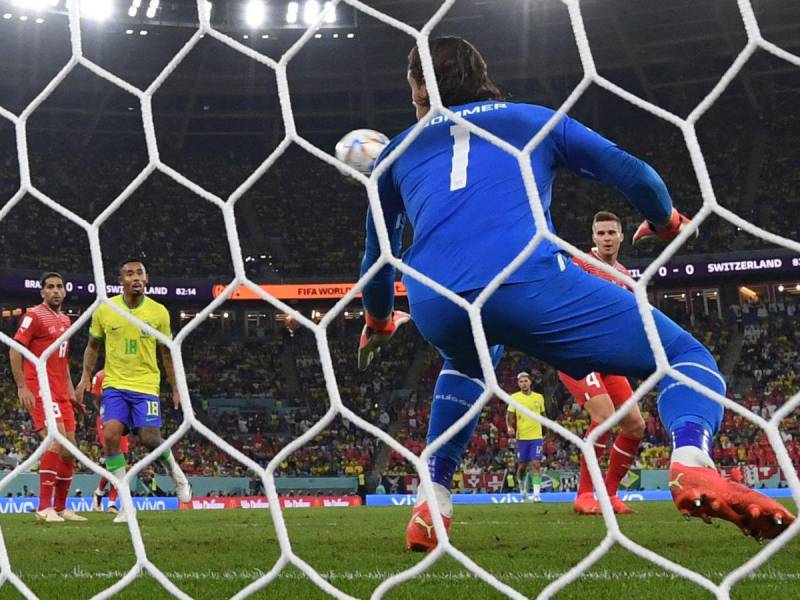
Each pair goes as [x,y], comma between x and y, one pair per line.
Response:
[288,557]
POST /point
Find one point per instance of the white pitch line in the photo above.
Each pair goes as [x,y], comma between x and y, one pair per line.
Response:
[770,575]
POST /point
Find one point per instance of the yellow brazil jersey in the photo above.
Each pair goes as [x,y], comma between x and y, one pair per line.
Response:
[527,428]
[130,362]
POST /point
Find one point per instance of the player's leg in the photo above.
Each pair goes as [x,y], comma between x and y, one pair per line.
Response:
[97,495]
[116,423]
[522,466]
[66,469]
[581,323]
[536,472]
[459,385]
[591,393]
[48,466]
[113,493]
[626,445]
[146,417]
[522,479]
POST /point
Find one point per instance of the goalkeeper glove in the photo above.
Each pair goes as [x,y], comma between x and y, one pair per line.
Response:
[376,334]
[668,232]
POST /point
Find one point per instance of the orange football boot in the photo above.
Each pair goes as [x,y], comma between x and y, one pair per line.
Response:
[702,492]
[420,534]
[586,504]
[620,507]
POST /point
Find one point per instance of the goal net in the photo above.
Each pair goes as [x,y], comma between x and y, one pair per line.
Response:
[591,76]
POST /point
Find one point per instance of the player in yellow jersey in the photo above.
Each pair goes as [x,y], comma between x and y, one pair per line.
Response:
[132,379]
[529,436]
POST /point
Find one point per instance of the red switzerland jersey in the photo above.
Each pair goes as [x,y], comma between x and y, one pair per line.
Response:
[599,273]
[97,384]
[40,327]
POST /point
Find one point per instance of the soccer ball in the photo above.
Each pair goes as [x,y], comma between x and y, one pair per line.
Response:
[360,149]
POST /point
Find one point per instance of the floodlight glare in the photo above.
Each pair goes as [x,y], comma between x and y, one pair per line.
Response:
[97,10]
[255,12]
[310,11]
[31,4]
[292,9]
[330,12]
[152,8]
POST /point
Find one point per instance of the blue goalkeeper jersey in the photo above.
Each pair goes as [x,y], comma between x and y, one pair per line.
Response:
[467,204]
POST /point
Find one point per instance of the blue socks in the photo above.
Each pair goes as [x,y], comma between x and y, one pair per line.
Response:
[454,395]
[442,470]
[691,418]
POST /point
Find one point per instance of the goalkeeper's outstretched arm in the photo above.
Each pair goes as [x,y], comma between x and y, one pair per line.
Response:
[381,320]
[378,294]
[594,157]
[590,155]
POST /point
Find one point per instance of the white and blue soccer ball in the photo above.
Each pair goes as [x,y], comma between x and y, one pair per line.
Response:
[360,149]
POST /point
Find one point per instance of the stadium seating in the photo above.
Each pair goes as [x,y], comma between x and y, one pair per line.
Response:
[323,213]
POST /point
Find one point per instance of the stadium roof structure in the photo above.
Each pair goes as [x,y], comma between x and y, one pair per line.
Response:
[670,52]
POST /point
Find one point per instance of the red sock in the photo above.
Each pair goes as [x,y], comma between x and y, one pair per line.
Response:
[585,481]
[623,453]
[101,486]
[63,482]
[112,495]
[47,478]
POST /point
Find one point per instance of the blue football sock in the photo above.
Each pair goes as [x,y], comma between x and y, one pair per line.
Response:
[454,395]
[691,418]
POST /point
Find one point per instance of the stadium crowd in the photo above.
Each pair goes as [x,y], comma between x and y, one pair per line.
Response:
[277,379]
[254,370]
[322,211]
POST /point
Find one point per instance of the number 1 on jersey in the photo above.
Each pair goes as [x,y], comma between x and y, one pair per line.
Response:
[458,168]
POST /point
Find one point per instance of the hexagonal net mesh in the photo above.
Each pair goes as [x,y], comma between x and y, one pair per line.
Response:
[287,556]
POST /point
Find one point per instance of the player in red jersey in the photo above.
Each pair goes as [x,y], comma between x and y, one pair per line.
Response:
[41,326]
[600,394]
[97,496]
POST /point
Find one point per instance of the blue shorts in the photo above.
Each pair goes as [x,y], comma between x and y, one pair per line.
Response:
[132,409]
[528,450]
[576,322]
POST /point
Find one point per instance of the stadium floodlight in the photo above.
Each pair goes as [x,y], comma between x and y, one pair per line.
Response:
[310,11]
[39,20]
[292,10]
[152,8]
[330,12]
[7,16]
[97,10]
[255,11]
[31,4]
[132,11]
[23,17]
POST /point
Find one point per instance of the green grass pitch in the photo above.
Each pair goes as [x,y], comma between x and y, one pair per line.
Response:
[213,554]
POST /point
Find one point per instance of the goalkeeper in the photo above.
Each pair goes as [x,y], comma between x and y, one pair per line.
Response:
[471,217]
